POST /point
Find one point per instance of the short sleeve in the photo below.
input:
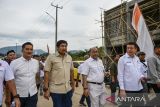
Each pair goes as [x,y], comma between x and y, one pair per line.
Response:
[85,68]
[8,73]
[48,64]
[72,67]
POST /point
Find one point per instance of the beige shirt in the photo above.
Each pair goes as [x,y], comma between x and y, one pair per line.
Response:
[59,72]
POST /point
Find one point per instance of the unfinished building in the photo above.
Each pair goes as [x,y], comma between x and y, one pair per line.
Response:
[117,24]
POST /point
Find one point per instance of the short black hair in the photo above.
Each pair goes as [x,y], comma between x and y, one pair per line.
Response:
[133,43]
[156,46]
[10,51]
[26,43]
[60,42]
[140,53]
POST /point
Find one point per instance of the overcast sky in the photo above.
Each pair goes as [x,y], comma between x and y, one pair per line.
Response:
[26,20]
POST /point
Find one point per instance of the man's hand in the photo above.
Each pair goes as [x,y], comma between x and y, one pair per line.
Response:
[17,102]
[86,92]
[47,95]
[8,100]
[8,96]
[143,79]
[122,93]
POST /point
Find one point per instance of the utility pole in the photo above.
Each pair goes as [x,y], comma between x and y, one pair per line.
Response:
[56,23]
[16,48]
[102,28]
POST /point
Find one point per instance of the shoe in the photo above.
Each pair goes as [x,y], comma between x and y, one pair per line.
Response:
[82,105]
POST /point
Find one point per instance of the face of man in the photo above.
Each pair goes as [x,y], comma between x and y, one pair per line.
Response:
[117,58]
[27,51]
[157,51]
[62,49]
[131,50]
[94,53]
[142,57]
[11,56]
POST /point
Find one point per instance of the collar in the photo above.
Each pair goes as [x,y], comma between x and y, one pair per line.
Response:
[129,56]
[25,59]
[94,59]
[58,55]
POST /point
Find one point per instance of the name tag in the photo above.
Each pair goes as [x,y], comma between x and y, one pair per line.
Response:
[128,63]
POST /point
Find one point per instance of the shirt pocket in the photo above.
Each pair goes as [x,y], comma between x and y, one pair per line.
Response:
[68,64]
[129,67]
[57,65]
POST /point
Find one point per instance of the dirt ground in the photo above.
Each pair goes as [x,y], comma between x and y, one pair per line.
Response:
[76,97]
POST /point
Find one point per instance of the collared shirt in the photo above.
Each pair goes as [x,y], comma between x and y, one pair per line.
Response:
[154,69]
[129,73]
[59,72]
[94,70]
[25,76]
[5,74]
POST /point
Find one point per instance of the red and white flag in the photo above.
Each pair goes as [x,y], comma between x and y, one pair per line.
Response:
[144,40]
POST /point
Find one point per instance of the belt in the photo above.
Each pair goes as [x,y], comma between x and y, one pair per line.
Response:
[95,83]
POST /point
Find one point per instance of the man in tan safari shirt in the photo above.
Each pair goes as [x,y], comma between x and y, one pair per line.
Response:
[58,77]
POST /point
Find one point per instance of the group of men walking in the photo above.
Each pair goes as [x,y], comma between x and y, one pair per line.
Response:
[131,73]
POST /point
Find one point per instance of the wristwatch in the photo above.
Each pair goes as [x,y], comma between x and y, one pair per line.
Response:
[45,89]
[16,96]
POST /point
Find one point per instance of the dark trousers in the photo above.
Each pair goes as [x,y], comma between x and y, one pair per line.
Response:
[0,105]
[30,101]
[133,94]
[156,100]
[62,100]
[87,100]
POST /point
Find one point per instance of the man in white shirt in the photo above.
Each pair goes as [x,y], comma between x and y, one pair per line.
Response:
[129,75]
[93,77]
[25,69]
[7,75]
